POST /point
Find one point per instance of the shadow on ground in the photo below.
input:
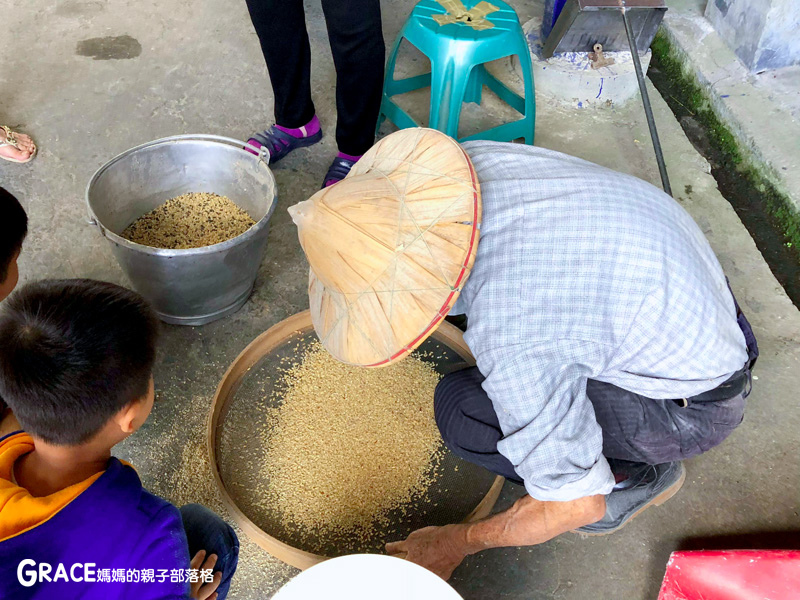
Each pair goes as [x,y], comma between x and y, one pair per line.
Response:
[758,540]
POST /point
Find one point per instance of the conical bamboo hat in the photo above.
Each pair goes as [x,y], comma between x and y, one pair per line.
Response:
[390,246]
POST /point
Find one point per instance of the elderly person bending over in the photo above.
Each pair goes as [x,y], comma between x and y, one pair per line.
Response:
[608,344]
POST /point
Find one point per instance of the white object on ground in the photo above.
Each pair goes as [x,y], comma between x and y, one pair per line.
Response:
[367,577]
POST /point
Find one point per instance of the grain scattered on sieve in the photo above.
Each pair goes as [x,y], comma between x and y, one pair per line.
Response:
[192,220]
[347,448]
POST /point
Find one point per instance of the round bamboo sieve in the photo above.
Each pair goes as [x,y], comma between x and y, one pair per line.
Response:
[269,342]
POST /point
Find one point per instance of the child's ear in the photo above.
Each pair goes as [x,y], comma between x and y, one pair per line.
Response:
[135,413]
[12,277]
[127,418]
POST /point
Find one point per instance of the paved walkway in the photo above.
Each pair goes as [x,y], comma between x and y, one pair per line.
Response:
[199,69]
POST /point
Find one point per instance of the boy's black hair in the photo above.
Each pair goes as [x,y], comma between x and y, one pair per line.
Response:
[73,352]
[13,229]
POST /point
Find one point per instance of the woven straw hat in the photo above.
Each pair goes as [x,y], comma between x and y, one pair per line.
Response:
[390,246]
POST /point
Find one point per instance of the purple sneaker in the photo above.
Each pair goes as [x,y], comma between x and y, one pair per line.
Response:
[338,170]
[278,143]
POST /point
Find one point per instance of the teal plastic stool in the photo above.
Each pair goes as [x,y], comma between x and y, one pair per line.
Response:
[457,53]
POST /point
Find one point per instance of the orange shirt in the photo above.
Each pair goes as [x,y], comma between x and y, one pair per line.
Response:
[19,511]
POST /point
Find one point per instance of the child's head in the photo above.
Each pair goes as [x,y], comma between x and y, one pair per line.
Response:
[76,358]
[13,228]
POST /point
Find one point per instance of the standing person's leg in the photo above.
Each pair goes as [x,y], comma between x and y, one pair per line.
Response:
[207,531]
[356,37]
[281,29]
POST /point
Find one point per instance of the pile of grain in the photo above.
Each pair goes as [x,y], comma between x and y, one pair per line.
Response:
[348,445]
[189,221]
[172,461]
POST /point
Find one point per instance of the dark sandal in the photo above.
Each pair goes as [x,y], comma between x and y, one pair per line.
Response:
[278,143]
[338,170]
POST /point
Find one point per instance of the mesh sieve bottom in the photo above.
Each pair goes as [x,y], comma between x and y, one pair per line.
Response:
[457,488]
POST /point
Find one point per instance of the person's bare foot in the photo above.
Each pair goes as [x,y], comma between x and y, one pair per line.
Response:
[24,149]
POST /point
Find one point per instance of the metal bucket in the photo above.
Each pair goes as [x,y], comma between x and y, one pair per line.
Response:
[197,285]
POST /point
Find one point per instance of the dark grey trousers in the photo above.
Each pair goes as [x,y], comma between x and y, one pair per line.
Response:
[635,428]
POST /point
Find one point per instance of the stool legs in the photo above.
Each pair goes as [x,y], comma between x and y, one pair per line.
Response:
[455,78]
[530,95]
[474,91]
[390,83]
[448,87]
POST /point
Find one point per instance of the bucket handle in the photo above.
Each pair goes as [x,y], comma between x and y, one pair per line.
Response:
[92,221]
[261,153]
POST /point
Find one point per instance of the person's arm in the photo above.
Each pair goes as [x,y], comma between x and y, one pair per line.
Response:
[552,439]
[165,548]
[527,522]
[550,433]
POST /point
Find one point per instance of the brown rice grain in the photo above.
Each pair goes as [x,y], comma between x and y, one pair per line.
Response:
[189,221]
[349,445]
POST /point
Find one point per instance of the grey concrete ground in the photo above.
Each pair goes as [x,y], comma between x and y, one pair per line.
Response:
[196,67]
[762,110]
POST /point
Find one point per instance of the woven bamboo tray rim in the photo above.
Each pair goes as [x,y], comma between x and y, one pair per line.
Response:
[276,335]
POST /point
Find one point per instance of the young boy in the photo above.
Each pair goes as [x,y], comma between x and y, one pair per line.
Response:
[76,358]
[13,229]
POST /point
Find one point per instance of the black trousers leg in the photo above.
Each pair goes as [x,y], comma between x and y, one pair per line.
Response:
[281,28]
[354,29]
[635,428]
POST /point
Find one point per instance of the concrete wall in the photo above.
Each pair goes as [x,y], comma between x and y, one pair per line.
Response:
[763,33]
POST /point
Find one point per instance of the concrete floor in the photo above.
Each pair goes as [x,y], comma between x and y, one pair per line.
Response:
[761,109]
[197,68]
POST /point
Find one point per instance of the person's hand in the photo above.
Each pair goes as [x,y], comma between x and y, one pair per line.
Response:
[199,589]
[438,549]
[528,522]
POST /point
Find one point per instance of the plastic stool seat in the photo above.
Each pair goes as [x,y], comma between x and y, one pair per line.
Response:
[457,53]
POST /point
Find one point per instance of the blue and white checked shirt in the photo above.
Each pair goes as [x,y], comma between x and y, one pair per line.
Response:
[581,273]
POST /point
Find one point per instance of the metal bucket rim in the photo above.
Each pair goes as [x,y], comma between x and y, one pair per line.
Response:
[235,241]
